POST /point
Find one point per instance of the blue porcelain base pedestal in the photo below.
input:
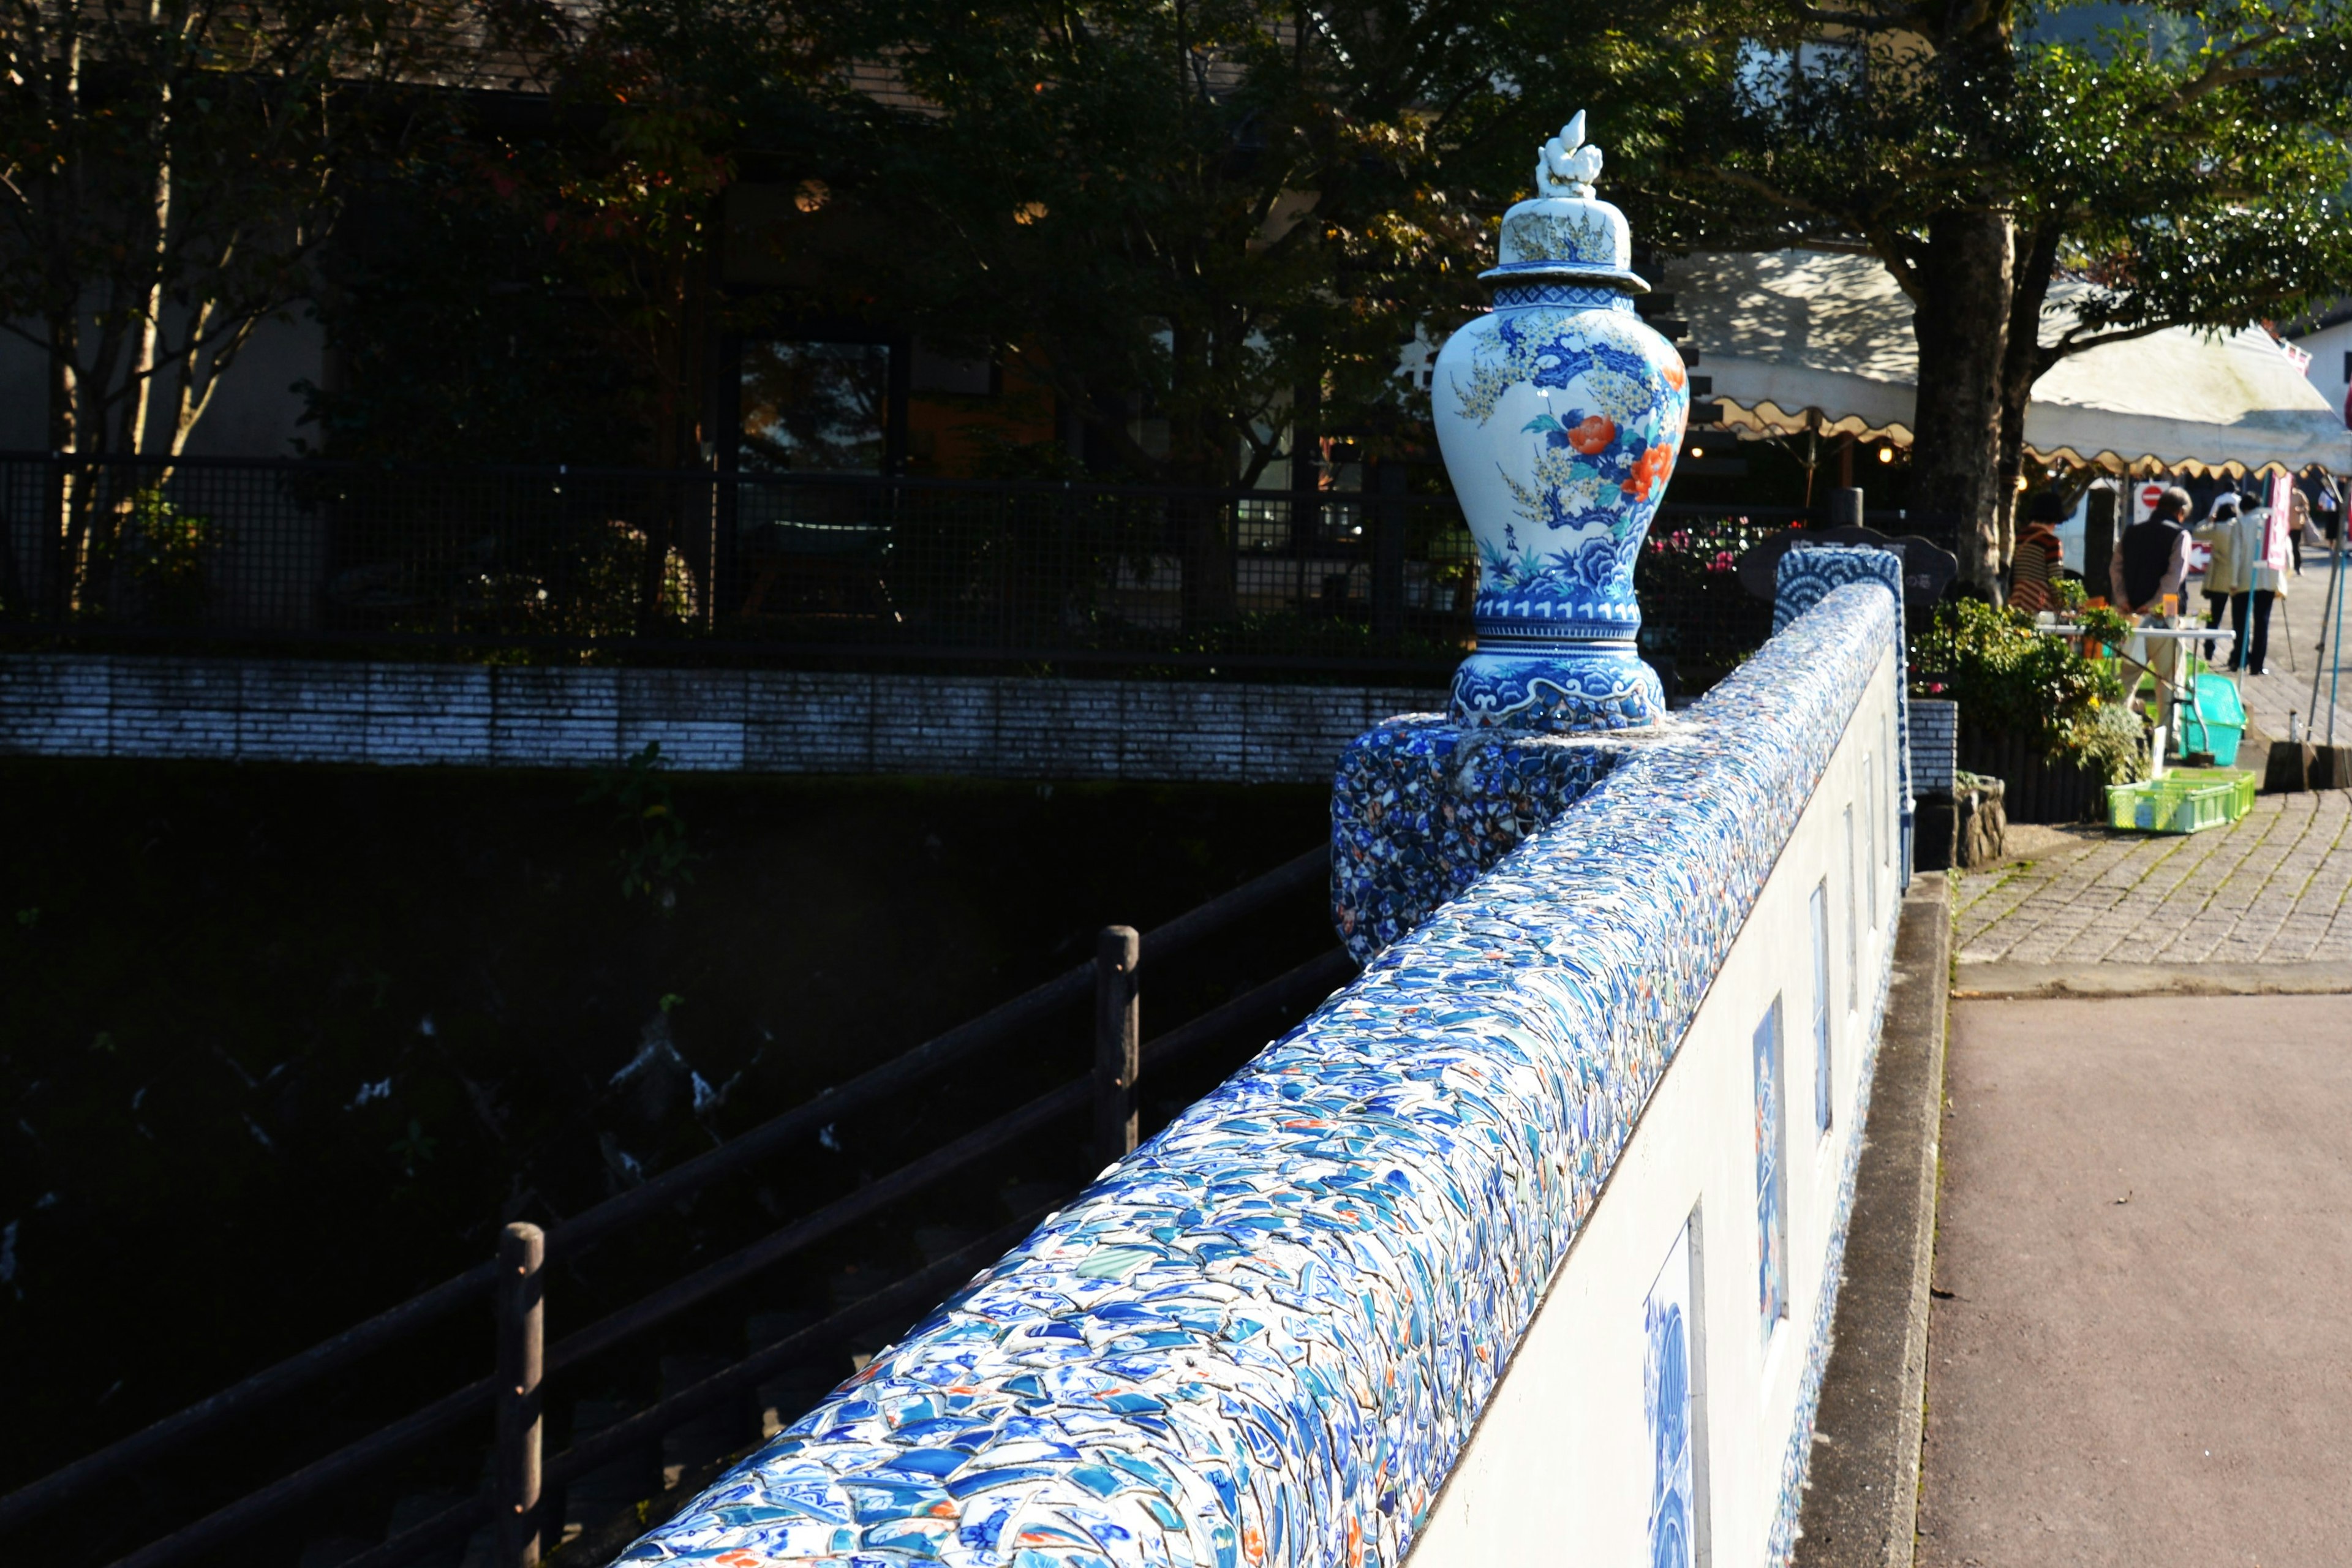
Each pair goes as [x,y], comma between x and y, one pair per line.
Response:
[1561,690]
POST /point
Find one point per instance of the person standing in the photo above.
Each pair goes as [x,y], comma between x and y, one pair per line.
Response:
[2039,559]
[2219,536]
[2258,585]
[2151,560]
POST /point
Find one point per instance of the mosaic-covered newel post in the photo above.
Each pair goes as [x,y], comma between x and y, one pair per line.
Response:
[1559,415]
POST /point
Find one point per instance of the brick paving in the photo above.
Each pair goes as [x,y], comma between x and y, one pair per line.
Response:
[2273,888]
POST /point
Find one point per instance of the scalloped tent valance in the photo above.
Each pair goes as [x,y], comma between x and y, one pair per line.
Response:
[1799,340]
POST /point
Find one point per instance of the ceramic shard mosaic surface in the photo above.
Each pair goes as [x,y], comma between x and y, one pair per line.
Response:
[1266,1336]
[1802,578]
[1421,808]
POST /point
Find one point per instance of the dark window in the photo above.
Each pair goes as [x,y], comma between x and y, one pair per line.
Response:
[815,406]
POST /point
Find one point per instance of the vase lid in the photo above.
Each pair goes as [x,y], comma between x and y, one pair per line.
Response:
[1564,231]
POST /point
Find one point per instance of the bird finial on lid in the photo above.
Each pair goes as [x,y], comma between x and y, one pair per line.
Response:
[1567,167]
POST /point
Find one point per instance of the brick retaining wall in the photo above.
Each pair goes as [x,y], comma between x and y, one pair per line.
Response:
[784,722]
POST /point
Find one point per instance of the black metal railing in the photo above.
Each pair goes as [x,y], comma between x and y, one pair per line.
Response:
[664,563]
[515,1281]
[669,566]
[848,570]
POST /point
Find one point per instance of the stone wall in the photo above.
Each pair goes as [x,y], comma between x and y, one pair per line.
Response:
[752,720]
[1524,1246]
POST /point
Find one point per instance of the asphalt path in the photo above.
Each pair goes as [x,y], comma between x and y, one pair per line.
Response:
[2140,1338]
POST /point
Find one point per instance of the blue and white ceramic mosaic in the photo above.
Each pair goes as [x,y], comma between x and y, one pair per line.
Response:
[1421,807]
[1771,1173]
[1266,1336]
[1667,1390]
[1559,414]
[1804,578]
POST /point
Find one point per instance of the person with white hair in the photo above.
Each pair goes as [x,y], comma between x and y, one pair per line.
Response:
[2254,587]
[2151,561]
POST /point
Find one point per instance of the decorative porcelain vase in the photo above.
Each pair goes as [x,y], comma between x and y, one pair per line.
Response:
[1559,414]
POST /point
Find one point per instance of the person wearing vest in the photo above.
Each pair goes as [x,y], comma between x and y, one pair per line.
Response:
[2152,558]
[2150,561]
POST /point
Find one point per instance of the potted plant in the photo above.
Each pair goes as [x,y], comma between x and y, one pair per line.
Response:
[2034,712]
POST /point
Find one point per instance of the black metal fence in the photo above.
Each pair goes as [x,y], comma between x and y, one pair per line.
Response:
[677,566]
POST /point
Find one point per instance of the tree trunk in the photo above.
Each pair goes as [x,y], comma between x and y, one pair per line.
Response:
[1208,596]
[2023,359]
[1962,322]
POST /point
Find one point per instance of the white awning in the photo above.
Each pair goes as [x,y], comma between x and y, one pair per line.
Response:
[1799,340]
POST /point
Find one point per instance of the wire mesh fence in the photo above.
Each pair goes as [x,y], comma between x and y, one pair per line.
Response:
[678,566]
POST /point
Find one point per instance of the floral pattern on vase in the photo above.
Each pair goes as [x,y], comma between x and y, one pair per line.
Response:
[1559,414]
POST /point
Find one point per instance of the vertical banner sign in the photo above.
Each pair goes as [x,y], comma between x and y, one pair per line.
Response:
[2275,526]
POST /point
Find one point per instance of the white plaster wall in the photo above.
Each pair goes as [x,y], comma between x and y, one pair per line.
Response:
[257,412]
[2327,349]
[1560,1469]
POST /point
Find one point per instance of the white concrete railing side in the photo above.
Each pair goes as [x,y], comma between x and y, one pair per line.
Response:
[1570,1445]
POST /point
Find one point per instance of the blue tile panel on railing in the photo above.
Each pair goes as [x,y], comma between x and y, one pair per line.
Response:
[1266,1336]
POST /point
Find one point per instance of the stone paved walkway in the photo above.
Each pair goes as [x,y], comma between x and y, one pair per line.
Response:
[2274,888]
[2295,656]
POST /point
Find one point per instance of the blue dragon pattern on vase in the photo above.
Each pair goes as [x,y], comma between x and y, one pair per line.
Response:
[1600,452]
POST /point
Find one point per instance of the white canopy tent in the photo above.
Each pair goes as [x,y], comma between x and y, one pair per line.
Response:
[1805,340]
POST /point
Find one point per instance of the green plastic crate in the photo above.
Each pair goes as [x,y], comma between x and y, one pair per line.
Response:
[2170,805]
[2239,780]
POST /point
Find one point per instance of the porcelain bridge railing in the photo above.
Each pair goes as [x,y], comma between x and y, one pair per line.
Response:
[1525,1244]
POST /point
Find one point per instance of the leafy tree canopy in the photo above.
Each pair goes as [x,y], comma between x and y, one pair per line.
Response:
[2154,165]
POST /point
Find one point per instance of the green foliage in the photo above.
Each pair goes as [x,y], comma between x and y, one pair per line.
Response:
[2111,740]
[551,288]
[2184,168]
[2007,677]
[172,168]
[655,859]
[1213,204]
[2067,596]
[2109,626]
[163,551]
[2039,179]
[453,333]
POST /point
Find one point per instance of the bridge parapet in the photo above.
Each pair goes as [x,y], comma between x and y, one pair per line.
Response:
[1523,1246]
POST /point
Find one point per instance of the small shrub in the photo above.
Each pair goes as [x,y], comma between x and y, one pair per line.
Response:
[2009,679]
[655,858]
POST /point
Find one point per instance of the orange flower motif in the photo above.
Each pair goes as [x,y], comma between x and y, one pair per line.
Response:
[1674,373]
[1593,435]
[1649,472]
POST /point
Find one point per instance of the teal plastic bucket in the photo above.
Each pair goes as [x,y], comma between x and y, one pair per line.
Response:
[2223,724]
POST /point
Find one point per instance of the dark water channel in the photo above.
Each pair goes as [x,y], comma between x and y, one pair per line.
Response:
[281,1046]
